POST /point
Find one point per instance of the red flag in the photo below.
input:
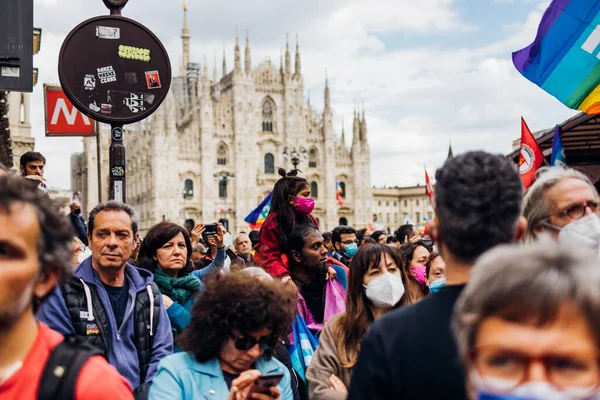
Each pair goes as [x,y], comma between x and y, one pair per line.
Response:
[429,189]
[531,157]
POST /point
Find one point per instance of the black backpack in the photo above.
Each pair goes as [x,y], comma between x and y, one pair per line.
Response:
[62,369]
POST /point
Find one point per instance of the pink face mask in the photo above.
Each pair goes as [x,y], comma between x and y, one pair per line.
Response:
[304,205]
[419,272]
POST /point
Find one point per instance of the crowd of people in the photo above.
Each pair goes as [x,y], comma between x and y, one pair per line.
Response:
[499,299]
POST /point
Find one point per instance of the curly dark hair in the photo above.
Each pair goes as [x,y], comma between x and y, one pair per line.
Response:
[55,249]
[156,237]
[236,302]
[478,200]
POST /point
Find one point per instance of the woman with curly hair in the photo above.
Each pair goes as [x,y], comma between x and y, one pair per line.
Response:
[167,252]
[376,286]
[414,256]
[236,321]
[291,205]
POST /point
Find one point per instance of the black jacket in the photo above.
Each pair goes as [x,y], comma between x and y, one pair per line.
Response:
[79,227]
[410,354]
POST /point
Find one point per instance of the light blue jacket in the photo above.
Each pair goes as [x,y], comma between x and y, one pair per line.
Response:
[181,377]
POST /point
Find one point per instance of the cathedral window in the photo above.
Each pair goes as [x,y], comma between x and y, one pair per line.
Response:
[312,158]
[223,189]
[314,189]
[418,221]
[343,187]
[269,163]
[267,115]
[188,189]
[22,109]
[343,221]
[222,154]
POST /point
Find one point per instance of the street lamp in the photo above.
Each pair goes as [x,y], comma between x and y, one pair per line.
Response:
[295,155]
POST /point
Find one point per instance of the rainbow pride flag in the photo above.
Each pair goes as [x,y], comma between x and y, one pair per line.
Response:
[564,58]
[339,192]
[259,214]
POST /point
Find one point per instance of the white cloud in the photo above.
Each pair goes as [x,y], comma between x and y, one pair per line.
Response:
[416,99]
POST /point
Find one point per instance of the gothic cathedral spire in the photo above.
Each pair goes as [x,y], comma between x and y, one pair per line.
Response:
[238,57]
[247,58]
[224,62]
[288,59]
[363,125]
[185,40]
[327,99]
[298,69]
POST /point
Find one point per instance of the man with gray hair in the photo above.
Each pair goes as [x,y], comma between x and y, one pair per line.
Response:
[243,247]
[559,197]
[528,323]
[112,305]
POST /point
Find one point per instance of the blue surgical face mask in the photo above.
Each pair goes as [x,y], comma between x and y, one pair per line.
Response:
[435,286]
[351,250]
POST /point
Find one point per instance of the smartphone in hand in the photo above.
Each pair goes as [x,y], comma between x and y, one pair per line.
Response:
[264,384]
[211,229]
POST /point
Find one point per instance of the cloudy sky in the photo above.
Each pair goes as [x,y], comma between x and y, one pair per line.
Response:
[429,71]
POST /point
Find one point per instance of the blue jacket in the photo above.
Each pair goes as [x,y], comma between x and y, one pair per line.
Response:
[122,351]
[179,314]
[181,377]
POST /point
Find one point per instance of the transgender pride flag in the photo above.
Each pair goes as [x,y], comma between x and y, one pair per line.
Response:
[564,58]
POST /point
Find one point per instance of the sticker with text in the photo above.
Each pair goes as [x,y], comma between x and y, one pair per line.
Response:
[107,74]
[105,109]
[153,79]
[89,82]
[94,107]
[134,53]
[10,72]
[107,32]
[135,102]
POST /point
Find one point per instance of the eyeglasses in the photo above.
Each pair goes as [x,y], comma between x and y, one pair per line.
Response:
[245,343]
[577,211]
[512,368]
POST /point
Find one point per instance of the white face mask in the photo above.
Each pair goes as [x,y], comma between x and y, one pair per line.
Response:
[385,291]
[584,232]
[492,388]
[228,241]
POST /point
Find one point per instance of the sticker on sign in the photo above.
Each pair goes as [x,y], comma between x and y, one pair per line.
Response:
[107,32]
[10,72]
[118,190]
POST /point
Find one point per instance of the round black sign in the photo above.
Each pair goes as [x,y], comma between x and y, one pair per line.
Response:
[114,69]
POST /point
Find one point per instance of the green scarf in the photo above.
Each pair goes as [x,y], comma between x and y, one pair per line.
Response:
[177,289]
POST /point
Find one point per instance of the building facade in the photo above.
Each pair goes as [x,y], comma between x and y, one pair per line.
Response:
[212,149]
[397,206]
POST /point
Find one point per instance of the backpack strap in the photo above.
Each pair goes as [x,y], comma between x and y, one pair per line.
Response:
[62,369]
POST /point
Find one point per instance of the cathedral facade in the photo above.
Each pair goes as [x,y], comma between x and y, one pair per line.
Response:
[212,149]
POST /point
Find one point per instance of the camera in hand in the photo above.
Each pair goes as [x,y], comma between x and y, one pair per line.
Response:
[211,229]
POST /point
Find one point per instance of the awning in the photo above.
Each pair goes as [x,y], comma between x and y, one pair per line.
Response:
[580,135]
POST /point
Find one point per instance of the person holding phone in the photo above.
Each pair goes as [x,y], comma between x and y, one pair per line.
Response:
[166,251]
[236,322]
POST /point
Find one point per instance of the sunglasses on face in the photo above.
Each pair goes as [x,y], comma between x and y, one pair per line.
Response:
[245,343]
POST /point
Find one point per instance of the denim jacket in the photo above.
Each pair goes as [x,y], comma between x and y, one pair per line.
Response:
[181,377]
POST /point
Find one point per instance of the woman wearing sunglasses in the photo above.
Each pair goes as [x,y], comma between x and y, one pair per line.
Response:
[228,344]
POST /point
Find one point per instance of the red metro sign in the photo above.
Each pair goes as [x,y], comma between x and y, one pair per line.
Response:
[62,118]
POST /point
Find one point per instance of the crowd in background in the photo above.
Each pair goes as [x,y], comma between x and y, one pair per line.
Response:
[499,299]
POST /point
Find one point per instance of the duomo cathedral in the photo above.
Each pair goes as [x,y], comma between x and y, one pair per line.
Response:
[212,149]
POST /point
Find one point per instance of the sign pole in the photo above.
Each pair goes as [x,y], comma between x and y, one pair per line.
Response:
[117,161]
[99,162]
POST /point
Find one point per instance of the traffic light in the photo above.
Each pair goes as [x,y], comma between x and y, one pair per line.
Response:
[16,45]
